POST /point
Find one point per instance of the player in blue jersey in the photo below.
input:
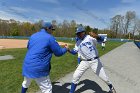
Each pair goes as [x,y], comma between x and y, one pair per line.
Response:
[37,62]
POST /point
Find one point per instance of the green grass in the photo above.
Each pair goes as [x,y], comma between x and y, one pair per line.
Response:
[10,70]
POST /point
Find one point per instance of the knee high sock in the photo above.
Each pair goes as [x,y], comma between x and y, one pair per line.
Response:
[23,90]
[73,87]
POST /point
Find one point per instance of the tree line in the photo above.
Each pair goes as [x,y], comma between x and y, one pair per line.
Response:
[126,26]
[121,26]
[16,28]
[65,29]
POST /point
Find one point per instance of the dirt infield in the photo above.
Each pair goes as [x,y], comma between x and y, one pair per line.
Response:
[16,43]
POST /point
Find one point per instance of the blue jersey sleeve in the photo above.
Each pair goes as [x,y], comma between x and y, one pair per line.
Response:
[73,52]
[56,49]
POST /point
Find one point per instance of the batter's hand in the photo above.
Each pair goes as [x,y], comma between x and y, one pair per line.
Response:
[66,46]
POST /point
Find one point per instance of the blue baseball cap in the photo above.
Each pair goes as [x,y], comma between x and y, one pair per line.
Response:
[47,25]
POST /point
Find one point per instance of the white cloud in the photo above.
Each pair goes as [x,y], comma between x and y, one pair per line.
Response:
[18,9]
[29,14]
[88,19]
[85,1]
[7,16]
[18,13]
[96,18]
[50,1]
[128,1]
[123,9]
[58,18]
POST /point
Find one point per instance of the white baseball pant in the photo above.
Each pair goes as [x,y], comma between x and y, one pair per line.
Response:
[44,83]
[97,68]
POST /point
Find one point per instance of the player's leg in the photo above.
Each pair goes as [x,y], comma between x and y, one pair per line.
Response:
[101,73]
[99,70]
[102,47]
[25,84]
[105,78]
[83,66]
[45,84]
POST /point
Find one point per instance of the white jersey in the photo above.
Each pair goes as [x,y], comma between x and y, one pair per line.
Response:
[87,51]
[86,48]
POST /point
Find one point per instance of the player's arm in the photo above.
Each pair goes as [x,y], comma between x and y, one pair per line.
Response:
[98,38]
[56,49]
[74,51]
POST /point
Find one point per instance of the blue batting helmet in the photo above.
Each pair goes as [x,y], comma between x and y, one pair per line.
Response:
[80,29]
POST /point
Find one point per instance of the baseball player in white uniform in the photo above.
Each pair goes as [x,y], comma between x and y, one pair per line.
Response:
[86,48]
[103,45]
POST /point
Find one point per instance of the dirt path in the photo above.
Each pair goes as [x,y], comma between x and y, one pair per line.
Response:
[16,43]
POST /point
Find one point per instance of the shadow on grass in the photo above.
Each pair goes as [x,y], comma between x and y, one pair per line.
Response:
[87,85]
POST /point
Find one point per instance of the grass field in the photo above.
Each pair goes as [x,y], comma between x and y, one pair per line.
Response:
[10,70]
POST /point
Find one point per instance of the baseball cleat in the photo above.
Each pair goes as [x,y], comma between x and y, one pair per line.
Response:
[112,90]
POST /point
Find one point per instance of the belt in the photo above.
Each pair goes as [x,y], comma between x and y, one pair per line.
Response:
[90,59]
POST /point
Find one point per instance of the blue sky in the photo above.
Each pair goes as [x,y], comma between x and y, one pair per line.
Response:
[96,13]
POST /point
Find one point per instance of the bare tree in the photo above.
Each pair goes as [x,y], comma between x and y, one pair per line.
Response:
[129,17]
[124,25]
[65,28]
[72,28]
[116,24]
[137,27]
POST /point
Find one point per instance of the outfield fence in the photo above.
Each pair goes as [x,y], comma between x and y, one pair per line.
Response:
[120,40]
[73,39]
[14,37]
[63,38]
[137,43]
